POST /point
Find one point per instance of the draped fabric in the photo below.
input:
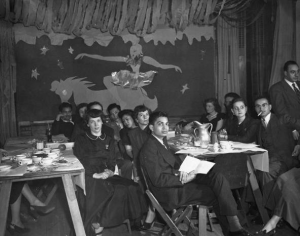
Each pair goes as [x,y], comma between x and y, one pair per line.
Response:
[228,59]
[7,82]
[283,39]
[260,52]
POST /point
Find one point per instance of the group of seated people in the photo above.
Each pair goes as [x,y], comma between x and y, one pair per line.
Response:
[135,139]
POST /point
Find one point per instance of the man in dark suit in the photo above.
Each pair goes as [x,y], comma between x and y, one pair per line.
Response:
[278,140]
[285,97]
[174,189]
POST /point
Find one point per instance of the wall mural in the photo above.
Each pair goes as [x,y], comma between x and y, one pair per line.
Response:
[173,78]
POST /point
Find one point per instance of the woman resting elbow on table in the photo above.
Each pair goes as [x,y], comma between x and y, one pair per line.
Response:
[242,128]
[110,199]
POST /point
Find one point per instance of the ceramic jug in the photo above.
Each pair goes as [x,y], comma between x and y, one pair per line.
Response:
[202,134]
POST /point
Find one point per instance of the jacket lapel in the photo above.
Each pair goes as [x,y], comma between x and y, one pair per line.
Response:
[165,153]
[289,90]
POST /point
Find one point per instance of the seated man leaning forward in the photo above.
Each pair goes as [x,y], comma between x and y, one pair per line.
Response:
[174,189]
[63,125]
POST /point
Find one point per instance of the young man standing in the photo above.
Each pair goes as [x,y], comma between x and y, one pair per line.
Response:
[174,189]
[285,98]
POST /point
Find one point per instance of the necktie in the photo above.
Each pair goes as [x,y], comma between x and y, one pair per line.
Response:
[296,91]
[264,122]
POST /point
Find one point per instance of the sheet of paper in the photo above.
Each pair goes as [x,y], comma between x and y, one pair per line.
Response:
[193,151]
[244,145]
[201,167]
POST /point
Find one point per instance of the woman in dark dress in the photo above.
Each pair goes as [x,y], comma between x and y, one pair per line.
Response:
[213,114]
[242,128]
[110,199]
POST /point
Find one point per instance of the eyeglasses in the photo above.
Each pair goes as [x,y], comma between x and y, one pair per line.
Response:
[264,105]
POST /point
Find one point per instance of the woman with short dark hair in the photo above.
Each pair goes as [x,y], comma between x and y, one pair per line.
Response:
[110,199]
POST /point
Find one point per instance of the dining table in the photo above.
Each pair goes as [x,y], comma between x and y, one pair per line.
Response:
[70,170]
[256,159]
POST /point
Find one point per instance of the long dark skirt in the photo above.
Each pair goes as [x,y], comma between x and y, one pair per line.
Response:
[285,197]
[111,201]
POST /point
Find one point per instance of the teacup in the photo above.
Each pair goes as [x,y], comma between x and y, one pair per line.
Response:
[36,159]
[46,150]
[46,161]
[52,155]
[20,157]
[227,145]
[25,161]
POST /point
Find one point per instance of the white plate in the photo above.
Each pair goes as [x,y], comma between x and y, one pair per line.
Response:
[5,167]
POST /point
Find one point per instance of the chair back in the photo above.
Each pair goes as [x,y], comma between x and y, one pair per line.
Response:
[145,178]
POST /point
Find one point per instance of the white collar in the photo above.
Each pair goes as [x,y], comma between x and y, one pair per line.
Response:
[267,118]
[159,140]
[291,84]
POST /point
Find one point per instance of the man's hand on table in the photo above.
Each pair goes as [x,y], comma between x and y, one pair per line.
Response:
[185,177]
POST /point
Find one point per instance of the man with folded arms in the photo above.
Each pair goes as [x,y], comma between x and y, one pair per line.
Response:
[62,127]
[174,189]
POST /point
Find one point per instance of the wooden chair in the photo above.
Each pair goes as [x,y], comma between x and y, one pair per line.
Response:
[183,214]
[25,128]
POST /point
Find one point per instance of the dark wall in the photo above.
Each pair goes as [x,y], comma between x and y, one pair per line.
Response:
[35,101]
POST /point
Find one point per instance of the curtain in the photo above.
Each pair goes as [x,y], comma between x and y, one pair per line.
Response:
[283,39]
[227,59]
[7,82]
[260,37]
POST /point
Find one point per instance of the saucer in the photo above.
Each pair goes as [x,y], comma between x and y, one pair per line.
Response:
[5,167]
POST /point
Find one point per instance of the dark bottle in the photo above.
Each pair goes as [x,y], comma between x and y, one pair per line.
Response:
[49,135]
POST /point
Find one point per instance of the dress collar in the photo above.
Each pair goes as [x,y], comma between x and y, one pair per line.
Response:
[93,137]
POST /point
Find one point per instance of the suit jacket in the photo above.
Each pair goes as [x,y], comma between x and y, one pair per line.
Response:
[161,168]
[282,140]
[285,104]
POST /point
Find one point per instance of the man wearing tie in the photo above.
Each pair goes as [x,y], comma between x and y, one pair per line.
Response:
[174,188]
[285,97]
[278,140]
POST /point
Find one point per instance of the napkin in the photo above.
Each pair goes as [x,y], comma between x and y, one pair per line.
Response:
[19,171]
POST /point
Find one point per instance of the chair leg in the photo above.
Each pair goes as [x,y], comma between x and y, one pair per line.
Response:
[202,220]
[209,221]
[127,222]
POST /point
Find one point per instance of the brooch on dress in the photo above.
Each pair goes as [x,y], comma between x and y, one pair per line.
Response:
[106,146]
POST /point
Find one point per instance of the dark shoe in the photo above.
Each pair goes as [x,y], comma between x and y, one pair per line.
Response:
[12,228]
[241,232]
[146,226]
[264,233]
[257,220]
[42,210]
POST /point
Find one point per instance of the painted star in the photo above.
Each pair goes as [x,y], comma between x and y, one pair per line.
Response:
[71,50]
[44,50]
[34,73]
[184,88]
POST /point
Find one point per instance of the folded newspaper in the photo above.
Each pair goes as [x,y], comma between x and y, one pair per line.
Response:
[193,164]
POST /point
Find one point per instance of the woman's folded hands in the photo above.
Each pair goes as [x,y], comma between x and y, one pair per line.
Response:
[104,175]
